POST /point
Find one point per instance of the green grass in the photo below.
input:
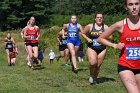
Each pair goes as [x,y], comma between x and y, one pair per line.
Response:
[54,78]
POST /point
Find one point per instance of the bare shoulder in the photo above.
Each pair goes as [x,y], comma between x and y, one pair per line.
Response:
[60,33]
[12,38]
[65,25]
[105,26]
[90,25]
[25,27]
[36,27]
[117,26]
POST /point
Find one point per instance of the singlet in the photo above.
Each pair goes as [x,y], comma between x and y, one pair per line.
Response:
[94,34]
[9,43]
[63,40]
[33,35]
[73,32]
[130,54]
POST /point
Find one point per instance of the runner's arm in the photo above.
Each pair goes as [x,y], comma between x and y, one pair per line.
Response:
[57,37]
[17,51]
[38,32]
[108,32]
[106,27]
[22,32]
[86,30]
[80,29]
[25,33]
[63,30]
[13,41]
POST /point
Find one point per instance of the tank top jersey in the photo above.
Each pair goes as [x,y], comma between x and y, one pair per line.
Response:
[130,54]
[9,43]
[94,34]
[73,32]
[63,40]
[32,35]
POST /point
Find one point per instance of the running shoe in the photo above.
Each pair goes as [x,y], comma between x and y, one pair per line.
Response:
[29,63]
[66,64]
[75,70]
[91,81]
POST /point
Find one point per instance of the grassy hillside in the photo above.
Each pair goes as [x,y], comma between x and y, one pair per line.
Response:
[54,78]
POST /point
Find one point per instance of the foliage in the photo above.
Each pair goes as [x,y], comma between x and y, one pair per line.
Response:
[15,13]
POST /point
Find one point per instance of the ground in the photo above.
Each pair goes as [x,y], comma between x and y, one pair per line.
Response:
[54,78]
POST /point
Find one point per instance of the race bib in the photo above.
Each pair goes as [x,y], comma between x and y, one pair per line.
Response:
[95,43]
[72,34]
[32,37]
[9,46]
[133,53]
[64,42]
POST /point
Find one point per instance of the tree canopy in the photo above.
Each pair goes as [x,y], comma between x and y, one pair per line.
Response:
[15,13]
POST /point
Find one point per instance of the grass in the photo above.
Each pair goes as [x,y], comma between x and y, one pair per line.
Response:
[54,78]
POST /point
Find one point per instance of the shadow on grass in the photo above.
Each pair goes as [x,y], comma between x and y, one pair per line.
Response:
[79,70]
[104,79]
[82,69]
[39,67]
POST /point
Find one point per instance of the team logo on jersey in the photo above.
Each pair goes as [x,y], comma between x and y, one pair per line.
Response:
[133,39]
[94,33]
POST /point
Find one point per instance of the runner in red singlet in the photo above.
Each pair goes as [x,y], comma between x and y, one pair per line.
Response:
[129,60]
[13,55]
[32,34]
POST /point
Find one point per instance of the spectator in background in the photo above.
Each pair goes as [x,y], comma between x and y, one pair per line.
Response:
[40,56]
[51,56]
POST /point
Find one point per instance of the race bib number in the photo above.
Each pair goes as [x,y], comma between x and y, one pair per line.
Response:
[72,34]
[64,42]
[133,53]
[9,46]
[95,43]
[32,37]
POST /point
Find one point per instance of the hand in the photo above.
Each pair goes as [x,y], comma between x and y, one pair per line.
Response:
[100,32]
[89,41]
[36,38]
[119,46]
[63,37]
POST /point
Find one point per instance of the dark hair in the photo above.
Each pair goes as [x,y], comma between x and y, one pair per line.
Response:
[125,2]
[97,13]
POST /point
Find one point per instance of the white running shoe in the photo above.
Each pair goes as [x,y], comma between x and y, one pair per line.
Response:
[91,81]
[29,63]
